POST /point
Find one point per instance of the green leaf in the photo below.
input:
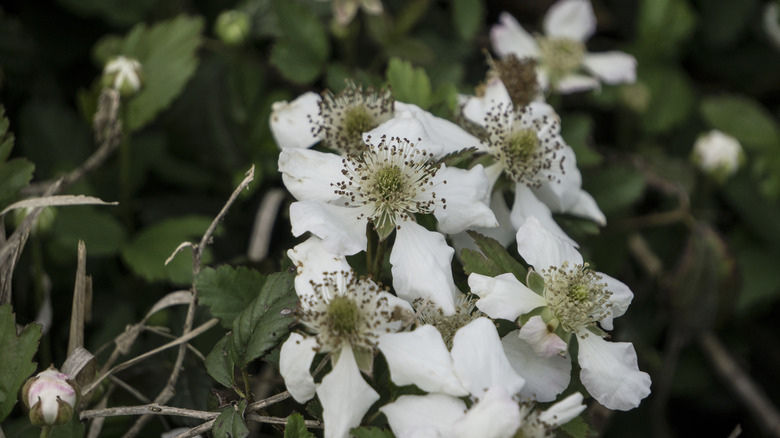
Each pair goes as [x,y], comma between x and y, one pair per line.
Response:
[576,428]
[493,259]
[147,253]
[18,352]
[266,321]
[219,365]
[228,291]
[722,21]
[303,48]
[166,52]
[103,234]
[230,423]
[535,282]
[743,118]
[663,26]
[467,15]
[615,188]
[577,129]
[296,428]
[14,174]
[409,84]
[371,432]
[671,98]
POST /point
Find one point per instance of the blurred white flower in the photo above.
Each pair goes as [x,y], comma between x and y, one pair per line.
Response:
[575,301]
[718,154]
[123,74]
[344,10]
[343,315]
[771,21]
[51,397]
[563,60]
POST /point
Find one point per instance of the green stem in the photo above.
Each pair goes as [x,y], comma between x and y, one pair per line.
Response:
[371,243]
[245,375]
[46,431]
[379,259]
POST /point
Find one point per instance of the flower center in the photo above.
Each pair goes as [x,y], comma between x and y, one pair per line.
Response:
[430,313]
[577,297]
[347,115]
[561,56]
[391,182]
[521,145]
[343,315]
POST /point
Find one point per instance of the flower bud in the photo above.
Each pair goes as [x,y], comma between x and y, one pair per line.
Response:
[717,154]
[232,27]
[124,75]
[51,397]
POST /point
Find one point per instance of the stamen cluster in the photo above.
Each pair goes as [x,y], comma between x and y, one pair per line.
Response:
[391,182]
[577,296]
[346,309]
[527,147]
[346,116]
[429,313]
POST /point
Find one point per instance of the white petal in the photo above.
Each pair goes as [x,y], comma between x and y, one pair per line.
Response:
[574,83]
[447,136]
[562,192]
[620,299]
[340,229]
[612,67]
[480,362]
[542,249]
[544,343]
[610,373]
[495,415]
[504,233]
[309,174]
[544,378]
[294,362]
[509,37]
[527,204]
[421,358]
[504,296]
[573,19]
[422,267]
[431,415]
[586,207]
[464,196]
[345,396]
[312,260]
[564,411]
[291,123]
[476,108]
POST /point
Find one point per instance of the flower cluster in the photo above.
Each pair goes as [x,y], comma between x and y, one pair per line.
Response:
[371,177]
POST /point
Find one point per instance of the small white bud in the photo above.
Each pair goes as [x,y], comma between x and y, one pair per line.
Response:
[51,397]
[124,75]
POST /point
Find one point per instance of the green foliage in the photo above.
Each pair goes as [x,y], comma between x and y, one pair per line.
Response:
[576,428]
[616,188]
[663,26]
[220,365]
[265,321]
[296,428]
[722,21]
[492,259]
[72,429]
[116,12]
[18,352]
[303,48]
[15,173]
[147,252]
[230,423]
[761,284]
[228,291]
[409,84]
[166,52]
[671,98]
[743,118]
[103,234]
[577,130]
[468,16]
[371,432]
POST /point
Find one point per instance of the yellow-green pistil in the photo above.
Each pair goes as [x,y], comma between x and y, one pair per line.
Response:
[343,315]
[518,153]
[357,120]
[561,56]
[577,297]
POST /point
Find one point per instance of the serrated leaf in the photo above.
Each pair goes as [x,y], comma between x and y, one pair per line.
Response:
[219,364]
[409,84]
[230,423]
[14,174]
[18,352]
[296,428]
[742,117]
[467,15]
[228,291]
[493,259]
[149,249]
[266,321]
[166,52]
[371,432]
[101,232]
[576,428]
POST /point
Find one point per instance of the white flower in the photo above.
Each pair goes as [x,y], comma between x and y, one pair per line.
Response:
[575,301]
[123,74]
[561,53]
[51,397]
[345,316]
[384,188]
[718,154]
[528,149]
[476,367]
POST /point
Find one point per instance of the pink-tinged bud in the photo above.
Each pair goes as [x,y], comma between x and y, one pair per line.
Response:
[51,397]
